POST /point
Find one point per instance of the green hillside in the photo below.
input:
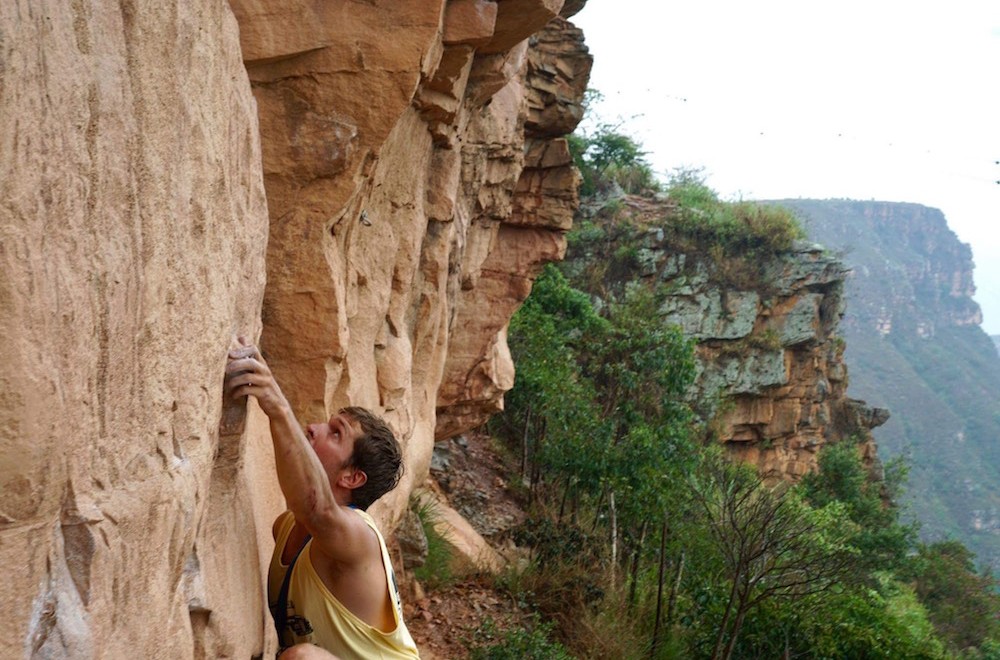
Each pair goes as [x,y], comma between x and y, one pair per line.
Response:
[914,345]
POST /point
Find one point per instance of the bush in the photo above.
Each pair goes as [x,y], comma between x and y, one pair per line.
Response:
[436,571]
[738,228]
[530,643]
[608,157]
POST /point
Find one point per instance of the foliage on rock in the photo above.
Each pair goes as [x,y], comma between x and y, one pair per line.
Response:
[609,158]
[645,544]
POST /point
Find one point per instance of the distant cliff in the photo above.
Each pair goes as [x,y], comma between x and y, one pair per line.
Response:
[996,341]
[771,378]
[914,345]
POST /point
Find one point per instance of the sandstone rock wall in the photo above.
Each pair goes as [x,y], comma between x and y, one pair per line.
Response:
[416,183]
[133,229]
[391,169]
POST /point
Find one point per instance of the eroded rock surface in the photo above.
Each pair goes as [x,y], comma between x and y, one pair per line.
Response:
[915,345]
[772,357]
[415,182]
[133,229]
[770,377]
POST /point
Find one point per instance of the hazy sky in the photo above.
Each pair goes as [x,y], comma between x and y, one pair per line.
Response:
[881,99]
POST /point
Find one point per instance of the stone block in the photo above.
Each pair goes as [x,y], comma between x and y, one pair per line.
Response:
[786,418]
[517,20]
[799,324]
[469,22]
[272,29]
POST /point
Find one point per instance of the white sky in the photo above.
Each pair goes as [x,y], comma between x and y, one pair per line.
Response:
[879,99]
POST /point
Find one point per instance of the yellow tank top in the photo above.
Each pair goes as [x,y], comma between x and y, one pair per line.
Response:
[317,617]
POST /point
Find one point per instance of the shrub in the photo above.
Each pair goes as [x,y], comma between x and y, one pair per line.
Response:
[436,570]
[608,157]
[530,643]
[738,228]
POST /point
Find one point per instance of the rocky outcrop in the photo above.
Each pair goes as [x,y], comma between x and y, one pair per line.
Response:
[415,182]
[918,272]
[771,379]
[771,372]
[915,346]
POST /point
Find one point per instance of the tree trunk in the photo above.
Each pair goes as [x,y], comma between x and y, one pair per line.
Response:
[717,651]
[674,589]
[614,537]
[562,504]
[535,465]
[524,444]
[737,624]
[636,556]
[597,512]
[659,589]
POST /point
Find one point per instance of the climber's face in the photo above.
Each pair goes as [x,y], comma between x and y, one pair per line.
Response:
[333,442]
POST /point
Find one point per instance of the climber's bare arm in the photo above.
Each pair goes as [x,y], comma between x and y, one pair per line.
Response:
[304,483]
[306,652]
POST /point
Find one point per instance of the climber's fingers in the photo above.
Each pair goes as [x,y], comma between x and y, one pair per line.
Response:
[235,366]
[241,384]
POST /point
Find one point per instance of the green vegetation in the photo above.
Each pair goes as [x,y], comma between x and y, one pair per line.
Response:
[646,545]
[517,644]
[738,228]
[607,157]
[930,364]
[740,239]
[436,570]
[881,538]
[962,604]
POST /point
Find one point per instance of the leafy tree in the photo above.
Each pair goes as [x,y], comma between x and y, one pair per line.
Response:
[883,541]
[841,623]
[963,604]
[552,408]
[773,545]
[607,156]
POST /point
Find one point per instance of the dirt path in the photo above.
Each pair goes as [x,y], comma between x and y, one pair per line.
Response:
[443,621]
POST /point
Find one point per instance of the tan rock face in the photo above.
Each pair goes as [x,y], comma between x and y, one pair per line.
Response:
[404,220]
[394,263]
[133,230]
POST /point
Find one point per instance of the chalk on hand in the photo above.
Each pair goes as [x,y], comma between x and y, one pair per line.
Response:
[234,411]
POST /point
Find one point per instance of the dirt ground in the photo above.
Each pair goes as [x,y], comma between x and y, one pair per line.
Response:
[442,621]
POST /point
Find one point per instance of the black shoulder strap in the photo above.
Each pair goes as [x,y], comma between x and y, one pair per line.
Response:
[280,610]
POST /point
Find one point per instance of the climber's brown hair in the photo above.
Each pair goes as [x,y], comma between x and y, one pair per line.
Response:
[376,453]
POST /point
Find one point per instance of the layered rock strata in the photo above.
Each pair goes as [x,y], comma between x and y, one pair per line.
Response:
[916,346]
[415,183]
[771,372]
[771,379]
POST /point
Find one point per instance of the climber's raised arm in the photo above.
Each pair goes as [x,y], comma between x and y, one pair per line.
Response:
[330,472]
[306,482]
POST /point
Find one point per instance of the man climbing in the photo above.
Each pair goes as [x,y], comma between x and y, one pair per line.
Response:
[340,594]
